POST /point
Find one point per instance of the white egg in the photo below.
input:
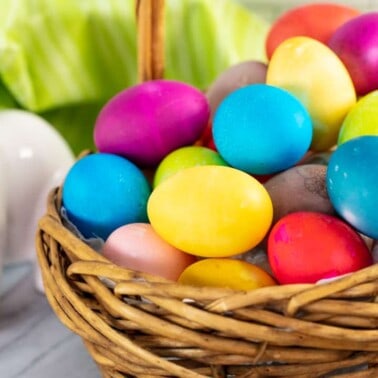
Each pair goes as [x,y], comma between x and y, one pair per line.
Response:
[33,154]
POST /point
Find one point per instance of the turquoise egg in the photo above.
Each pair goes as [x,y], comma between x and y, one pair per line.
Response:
[102,192]
[352,182]
[262,129]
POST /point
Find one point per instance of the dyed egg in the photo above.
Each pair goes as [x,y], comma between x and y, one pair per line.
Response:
[211,211]
[352,182]
[257,256]
[228,273]
[305,247]
[147,121]
[186,157]
[318,158]
[102,192]
[136,246]
[261,129]
[316,76]
[362,119]
[237,76]
[374,251]
[301,188]
[355,43]
[317,21]
[206,139]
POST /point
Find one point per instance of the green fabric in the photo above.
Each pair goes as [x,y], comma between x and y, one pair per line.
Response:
[64,58]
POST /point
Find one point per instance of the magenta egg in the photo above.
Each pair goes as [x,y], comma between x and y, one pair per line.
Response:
[355,43]
[149,120]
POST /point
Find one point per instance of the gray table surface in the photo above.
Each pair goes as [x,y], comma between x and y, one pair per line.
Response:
[33,342]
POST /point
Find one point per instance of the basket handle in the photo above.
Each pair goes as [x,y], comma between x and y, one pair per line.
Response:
[150,39]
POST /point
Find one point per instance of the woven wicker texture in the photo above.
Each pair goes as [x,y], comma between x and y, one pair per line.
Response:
[138,325]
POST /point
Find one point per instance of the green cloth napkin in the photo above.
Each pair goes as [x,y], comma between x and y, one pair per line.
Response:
[64,59]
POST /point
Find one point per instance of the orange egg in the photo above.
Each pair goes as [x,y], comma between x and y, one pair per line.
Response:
[228,273]
[137,246]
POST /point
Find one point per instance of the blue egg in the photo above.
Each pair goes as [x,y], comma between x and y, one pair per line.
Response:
[102,192]
[262,129]
[352,183]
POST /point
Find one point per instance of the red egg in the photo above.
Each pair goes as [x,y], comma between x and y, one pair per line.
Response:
[318,21]
[205,136]
[305,247]
[263,178]
[206,139]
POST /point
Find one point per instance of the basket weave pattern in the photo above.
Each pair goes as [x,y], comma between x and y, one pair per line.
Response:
[138,325]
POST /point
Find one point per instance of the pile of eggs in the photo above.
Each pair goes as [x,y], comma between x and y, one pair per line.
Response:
[268,178]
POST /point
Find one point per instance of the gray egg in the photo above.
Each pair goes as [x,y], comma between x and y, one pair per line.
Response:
[300,188]
[257,256]
[234,77]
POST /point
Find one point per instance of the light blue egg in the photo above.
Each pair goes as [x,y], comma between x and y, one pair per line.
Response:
[352,183]
[262,129]
[102,192]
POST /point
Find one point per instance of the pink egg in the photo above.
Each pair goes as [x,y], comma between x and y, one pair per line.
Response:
[147,121]
[136,246]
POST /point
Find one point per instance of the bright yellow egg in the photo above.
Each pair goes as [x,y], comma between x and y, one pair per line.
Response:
[211,211]
[316,76]
[228,273]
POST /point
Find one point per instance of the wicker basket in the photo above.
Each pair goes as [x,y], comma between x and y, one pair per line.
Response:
[146,326]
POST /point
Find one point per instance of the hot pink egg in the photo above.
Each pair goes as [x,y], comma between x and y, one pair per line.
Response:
[147,121]
[136,246]
[355,43]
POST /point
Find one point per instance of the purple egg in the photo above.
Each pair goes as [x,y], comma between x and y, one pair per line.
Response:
[355,43]
[147,121]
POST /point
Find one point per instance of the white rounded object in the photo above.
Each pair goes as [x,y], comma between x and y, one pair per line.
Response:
[33,152]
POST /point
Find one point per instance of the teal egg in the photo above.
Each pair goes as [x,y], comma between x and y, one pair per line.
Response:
[102,192]
[352,182]
[262,129]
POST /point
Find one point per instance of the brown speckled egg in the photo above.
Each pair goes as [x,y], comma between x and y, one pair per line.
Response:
[301,188]
[236,76]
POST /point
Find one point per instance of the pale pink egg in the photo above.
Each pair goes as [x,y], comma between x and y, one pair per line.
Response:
[136,246]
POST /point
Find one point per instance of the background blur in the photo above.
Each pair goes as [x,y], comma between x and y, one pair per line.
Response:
[270,9]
